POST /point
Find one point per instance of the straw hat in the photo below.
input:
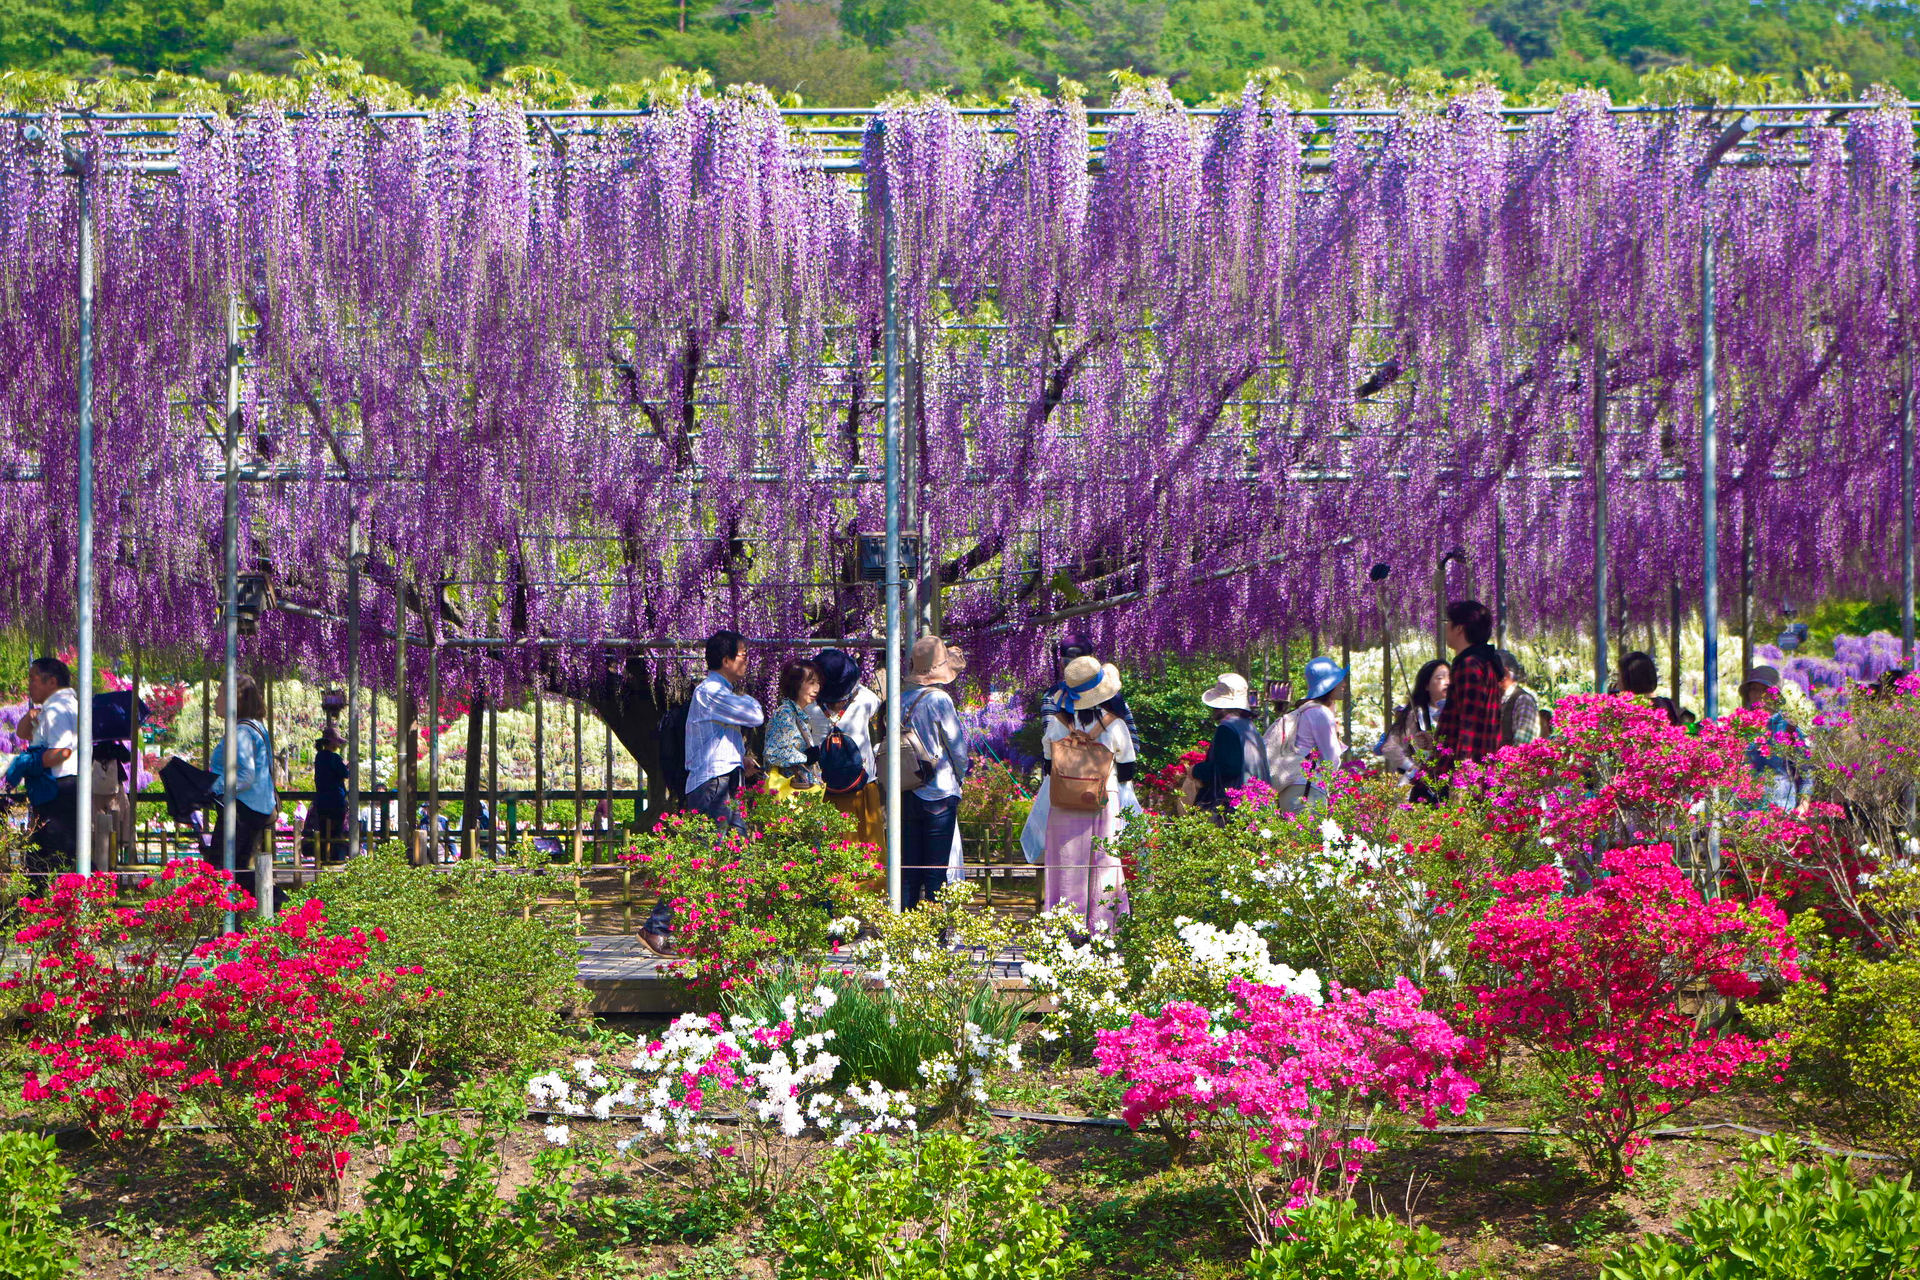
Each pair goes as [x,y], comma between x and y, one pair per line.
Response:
[1229,693]
[933,662]
[1085,684]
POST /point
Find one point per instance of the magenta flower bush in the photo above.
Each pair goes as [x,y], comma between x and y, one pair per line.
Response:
[1612,993]
[1291,1086]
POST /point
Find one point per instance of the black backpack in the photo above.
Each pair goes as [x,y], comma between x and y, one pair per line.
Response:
[842,769]
[672,732]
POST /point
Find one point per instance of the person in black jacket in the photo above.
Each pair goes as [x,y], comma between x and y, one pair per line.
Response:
[323,835]
[1238,754]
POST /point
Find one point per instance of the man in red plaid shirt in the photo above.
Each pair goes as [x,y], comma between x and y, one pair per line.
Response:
[1470,722]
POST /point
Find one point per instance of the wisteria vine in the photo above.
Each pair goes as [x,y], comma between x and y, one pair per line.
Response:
[620,377]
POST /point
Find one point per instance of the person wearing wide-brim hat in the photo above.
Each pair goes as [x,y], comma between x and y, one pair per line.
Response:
[1083,874]
[930,813]
[1778,753]
[1238,754]
[1304,746]
[846,705]
[323,832]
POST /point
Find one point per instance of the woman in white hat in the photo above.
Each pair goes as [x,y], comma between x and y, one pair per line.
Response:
[1238,754]
[1086,809]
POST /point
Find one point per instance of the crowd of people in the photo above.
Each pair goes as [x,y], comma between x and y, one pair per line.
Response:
[820,739]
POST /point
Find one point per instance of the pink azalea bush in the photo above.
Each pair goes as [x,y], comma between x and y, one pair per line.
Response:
[139,1011]
[1611,991]
[1290,1084]
[1616,769]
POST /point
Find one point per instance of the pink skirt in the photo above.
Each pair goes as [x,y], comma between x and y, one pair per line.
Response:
[1082,871]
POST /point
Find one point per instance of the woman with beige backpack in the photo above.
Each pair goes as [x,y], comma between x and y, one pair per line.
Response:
[1090,756]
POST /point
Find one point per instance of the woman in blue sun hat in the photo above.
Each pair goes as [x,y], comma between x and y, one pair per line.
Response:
[1304,745]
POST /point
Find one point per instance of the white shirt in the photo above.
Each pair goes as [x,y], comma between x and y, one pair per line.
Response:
[1114,737]
[932,714]
[856,722]
[57,726]
[1316,730]
[715,716]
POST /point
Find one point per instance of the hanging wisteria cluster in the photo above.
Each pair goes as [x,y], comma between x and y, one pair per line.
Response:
[619,377]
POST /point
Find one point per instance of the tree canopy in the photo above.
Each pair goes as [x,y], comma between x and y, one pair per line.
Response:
[848,52]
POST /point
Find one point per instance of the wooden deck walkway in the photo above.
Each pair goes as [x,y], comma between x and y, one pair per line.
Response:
[622,976]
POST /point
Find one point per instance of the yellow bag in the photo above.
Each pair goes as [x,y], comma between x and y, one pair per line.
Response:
[781,788]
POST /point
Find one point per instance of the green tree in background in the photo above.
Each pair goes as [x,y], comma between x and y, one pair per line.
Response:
[851,52]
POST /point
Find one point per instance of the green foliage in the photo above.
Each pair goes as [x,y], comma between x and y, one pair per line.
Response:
[944,1208]
[874,1036]
[435,1211]
[1785,1221]
[501,982]
[1167,710]
[747,902]
[1832,618]
[34,1243]
[1332,1238]
[934,962]
[1856,1041]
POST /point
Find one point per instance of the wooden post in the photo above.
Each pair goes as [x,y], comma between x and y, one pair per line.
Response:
[206,721]
[607,761]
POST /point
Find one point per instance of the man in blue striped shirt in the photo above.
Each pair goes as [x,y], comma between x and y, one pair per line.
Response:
[715,753]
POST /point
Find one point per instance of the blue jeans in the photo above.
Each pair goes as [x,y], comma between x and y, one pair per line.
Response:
[715,799]
[925,845]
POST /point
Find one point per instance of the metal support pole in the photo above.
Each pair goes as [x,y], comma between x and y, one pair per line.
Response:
[133,748]
[1906,509]
[1346,703]
[81,168]
[354,560]
[1600,660]
[373,755]
[539,760]
[1499,563]
[402,726]
[1673,642]
[433,741]
[1746,588]
[493,780]
[895,830]
[606,760]
[230,551]
[1709,486]
[579,795]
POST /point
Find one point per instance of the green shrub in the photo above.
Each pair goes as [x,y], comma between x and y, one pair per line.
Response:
[744,902]
[1856,1040]
[875,1038]
[501,982]
[34,1243]
[1797,1222]
[435,1211]
[1331,1238]
[944,1208]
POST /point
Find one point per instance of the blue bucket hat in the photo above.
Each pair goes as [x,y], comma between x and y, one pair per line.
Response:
[839,675]
[1324,675]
